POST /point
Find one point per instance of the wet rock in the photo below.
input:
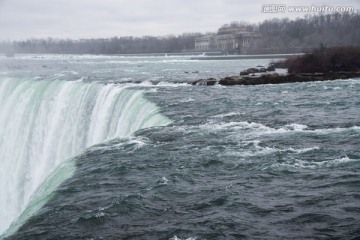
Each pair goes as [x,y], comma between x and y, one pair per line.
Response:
[278,79]
[249,71]
[270,68]
[262,70]
[244,73]
[253,70]
[205,82]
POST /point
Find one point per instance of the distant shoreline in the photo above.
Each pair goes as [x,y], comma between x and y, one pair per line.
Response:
[191,55]
[237,57]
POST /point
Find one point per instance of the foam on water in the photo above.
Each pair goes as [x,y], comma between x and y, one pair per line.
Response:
[176,238]
[187,100]
[230,114]
[293,164]
[263,129]
[253,148]
[170,84]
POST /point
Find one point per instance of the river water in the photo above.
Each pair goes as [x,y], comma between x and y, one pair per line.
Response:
[122,147]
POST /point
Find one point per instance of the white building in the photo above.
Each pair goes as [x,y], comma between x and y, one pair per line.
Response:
[228,40]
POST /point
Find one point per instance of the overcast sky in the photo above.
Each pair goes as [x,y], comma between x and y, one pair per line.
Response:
[22,19]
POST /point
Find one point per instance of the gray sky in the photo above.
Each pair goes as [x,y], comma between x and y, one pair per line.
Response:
[22,19]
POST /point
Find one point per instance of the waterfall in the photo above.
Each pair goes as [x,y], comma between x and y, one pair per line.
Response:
[43,123]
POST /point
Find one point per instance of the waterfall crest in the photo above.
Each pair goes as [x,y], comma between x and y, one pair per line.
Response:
[43,123]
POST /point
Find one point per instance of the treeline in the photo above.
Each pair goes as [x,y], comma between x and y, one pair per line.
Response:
[305,34]
[324,60]
[278,36]
[115,45]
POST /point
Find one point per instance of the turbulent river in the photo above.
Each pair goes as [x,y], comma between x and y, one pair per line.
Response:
[122,147]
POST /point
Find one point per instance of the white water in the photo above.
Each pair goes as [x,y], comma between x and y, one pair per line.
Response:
[43,123]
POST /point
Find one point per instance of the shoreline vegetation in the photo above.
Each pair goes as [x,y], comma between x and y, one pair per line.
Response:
[323,64]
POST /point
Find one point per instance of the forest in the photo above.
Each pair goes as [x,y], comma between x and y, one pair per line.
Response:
[323,60]
[308,33]
[278,36]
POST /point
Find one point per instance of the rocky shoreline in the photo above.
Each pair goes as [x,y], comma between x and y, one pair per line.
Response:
[274,78]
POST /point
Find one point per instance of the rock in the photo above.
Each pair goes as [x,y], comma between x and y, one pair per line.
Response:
[278,79]
[230,81]
[244,73]
[262,70]
[249,71]
[253,70]
[205,82]
[270,68]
